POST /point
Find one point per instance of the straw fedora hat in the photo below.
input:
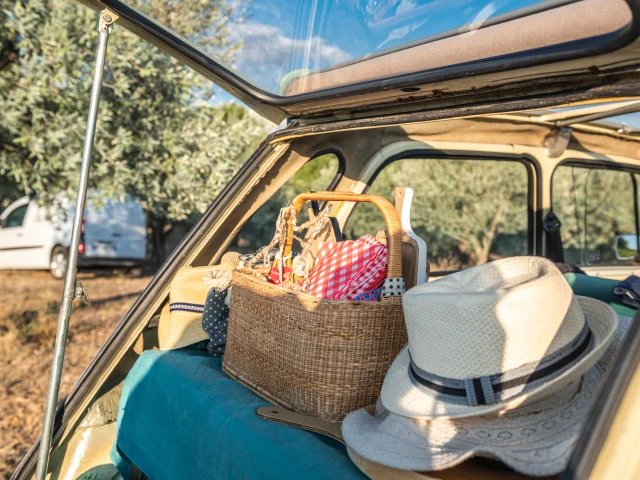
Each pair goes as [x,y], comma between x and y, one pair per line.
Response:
[180,323]
[535,439]
[493,337]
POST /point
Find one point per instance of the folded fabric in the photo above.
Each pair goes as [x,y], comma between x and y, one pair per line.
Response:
[628,291]
[344,270]
[182,418]
[370,296]
[274,275]
[219,279]
[215,320]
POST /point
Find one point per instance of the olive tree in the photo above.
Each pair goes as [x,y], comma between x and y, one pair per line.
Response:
[460,207]
[594,206]
[160,137]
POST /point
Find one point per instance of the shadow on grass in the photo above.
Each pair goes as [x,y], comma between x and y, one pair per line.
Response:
[114,298]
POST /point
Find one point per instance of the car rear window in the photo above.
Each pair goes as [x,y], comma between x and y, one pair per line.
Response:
[294,47]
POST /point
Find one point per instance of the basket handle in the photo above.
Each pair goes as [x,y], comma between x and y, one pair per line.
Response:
[391,219]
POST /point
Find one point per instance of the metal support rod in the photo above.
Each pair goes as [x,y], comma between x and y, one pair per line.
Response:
[629,108]
[69,292]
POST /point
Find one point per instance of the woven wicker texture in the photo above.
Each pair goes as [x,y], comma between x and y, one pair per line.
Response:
[502,315]
[319,357]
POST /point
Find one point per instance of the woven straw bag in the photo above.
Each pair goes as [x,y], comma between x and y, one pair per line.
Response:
[319,357]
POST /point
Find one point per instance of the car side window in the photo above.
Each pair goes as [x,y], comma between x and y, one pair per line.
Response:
[315,175]
[16,217]
[468,211]
[598,211]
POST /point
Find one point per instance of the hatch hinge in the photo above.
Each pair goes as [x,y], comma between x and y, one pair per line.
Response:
[81,293]
[108,18]
[558,141]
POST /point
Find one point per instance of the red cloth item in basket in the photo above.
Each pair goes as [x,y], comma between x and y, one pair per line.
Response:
[274,275]
[344,270]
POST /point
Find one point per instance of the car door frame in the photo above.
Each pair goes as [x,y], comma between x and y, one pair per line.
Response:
[441,150]
[609,447]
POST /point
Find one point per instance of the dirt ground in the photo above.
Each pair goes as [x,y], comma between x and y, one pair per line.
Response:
[29,303]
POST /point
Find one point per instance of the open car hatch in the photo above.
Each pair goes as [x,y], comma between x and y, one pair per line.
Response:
[339,57]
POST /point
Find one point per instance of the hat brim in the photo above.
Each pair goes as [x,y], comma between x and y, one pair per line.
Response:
[431,451]
[228,262]
[403,397]
[535,440]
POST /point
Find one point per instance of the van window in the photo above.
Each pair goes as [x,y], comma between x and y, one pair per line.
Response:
[315,175]
[16,217]
[468,211]
[597,208]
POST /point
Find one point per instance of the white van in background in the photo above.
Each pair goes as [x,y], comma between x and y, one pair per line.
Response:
[33,237]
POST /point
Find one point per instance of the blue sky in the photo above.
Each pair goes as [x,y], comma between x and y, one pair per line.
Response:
[281,36]
[631,119]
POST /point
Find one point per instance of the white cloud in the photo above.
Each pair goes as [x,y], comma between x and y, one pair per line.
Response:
[267,55]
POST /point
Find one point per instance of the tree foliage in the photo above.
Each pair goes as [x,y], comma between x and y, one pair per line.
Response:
[461,208]
[9,192]
[159,136]
[594,206]
[315,175]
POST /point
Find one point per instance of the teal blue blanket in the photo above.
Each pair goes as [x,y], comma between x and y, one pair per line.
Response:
[600,289]
[181,417]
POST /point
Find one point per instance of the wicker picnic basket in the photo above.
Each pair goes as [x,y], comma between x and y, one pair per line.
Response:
[319,357]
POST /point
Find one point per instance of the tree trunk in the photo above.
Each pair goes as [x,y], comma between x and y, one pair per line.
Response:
[483,256]
[157,237]
[8,54]
[487,241]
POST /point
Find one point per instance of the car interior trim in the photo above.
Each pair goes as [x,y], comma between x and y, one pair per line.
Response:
[601,418]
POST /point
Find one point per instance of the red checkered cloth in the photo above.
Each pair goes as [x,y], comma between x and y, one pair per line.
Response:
[344,270]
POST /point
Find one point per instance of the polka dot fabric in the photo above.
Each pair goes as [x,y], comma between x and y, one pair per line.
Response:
[393,287]
[215,320]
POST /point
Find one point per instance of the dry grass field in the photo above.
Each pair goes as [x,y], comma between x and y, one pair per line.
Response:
[29,303]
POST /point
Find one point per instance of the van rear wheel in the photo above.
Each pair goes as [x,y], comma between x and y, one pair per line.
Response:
[59,262]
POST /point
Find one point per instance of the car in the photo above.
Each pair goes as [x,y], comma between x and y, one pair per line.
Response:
[502,119]
[35,237]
